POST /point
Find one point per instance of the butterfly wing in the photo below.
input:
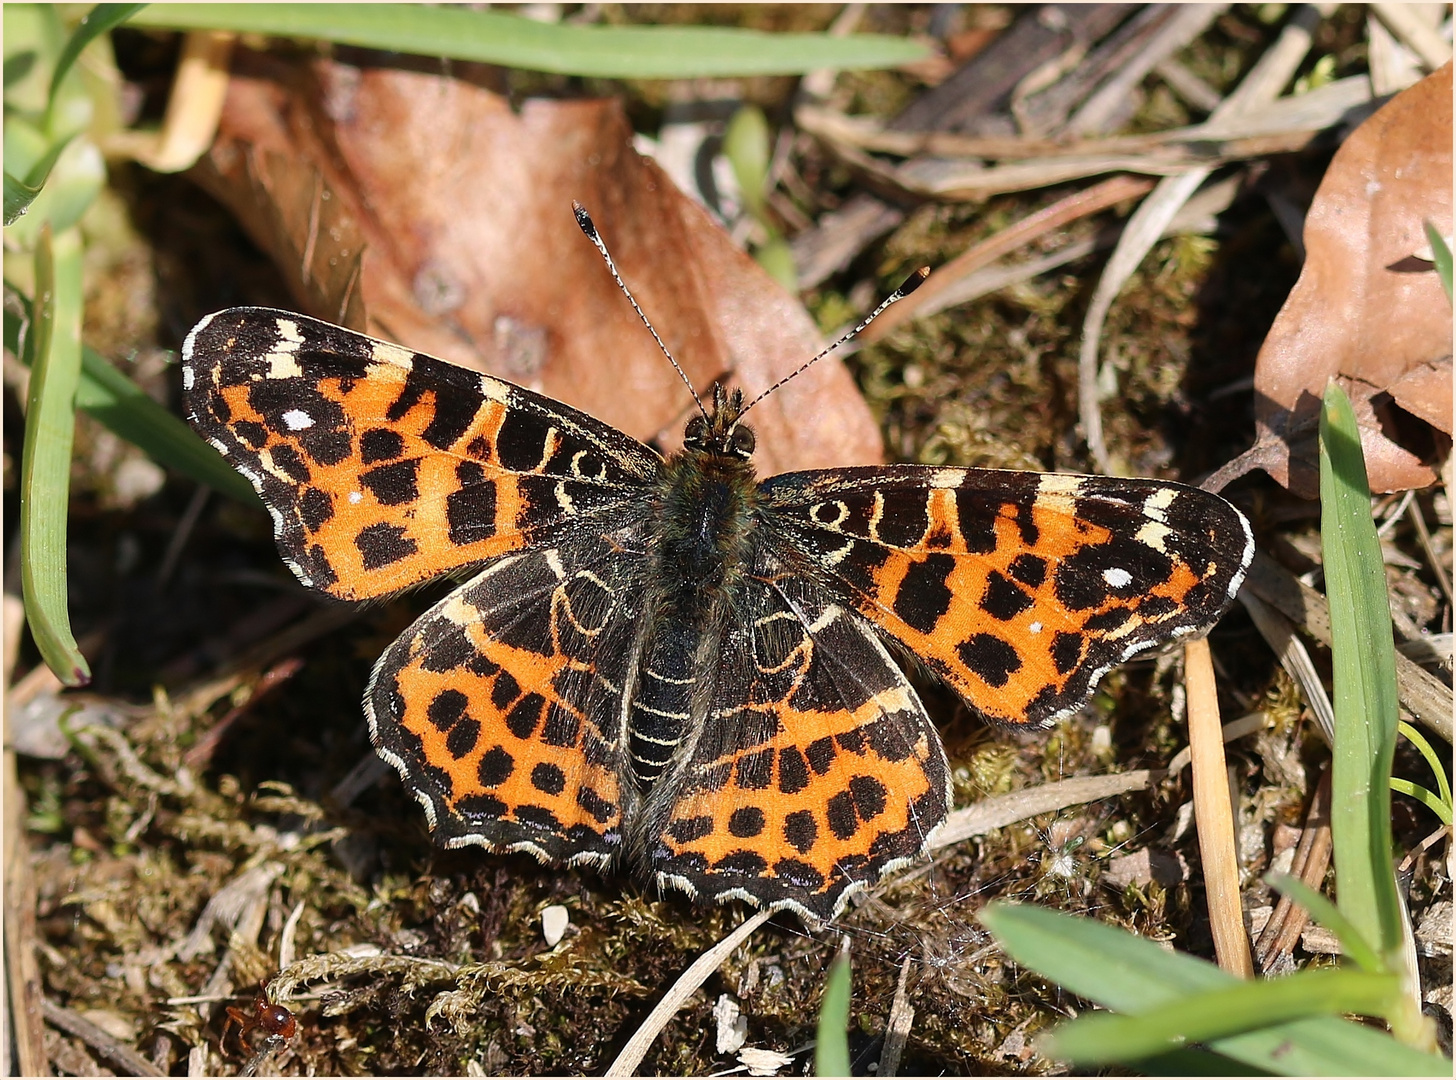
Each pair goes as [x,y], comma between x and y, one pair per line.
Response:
[1018,589]
[501,707]
[383,467]
[816,772]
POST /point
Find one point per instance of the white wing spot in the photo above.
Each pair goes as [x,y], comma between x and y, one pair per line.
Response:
[947,478]
[281,362]
[494,389]
[297,420]
[458,611]
[382,352]
[188,377]
[1154,534]
[355,498]
[1158,502]
[1034,628]
[1117,577]
[1059,484]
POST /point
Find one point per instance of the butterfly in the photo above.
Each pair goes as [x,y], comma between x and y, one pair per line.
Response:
[664,664]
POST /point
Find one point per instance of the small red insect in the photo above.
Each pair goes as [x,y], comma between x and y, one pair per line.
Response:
[275,1020]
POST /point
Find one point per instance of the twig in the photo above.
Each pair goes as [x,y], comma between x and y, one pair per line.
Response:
[1002,810]
[180,535]
[1311,860]
[22,973]
[1111,98]
[687,983]
[1142,231]
[200,754]
[1232,731]
[97,1039]
[1282,126]
[1413,33]
[1418,519]
[1213,810]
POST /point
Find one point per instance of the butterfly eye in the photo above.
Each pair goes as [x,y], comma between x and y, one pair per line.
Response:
[696,433]
[742,442]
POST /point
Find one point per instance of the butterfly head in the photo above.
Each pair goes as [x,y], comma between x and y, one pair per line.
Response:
[719,432]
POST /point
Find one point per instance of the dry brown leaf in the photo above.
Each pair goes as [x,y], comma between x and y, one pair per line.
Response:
[1365,310]
[425,210]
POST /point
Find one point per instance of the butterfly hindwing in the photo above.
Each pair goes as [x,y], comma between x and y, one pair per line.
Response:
[1018,589]
[816,771]
[383,467]
[501,706]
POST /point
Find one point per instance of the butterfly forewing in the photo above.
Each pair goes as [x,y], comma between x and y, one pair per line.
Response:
[1018,589]
[383,467]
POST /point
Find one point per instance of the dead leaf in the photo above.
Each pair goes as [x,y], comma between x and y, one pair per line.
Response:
[1365,310]
[424,210]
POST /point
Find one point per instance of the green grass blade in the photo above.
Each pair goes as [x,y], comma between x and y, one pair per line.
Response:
[1102,1038]
[1442,255]
[1328,915]
[18,197]
[19,194]
[831,1046]
[1195,1062]
[111,398]
[493,37]
[1433,759]
[97,21]
[1101,963]
[1366,708]
[1423,795]
[1124,972]
[747,144]
[45,470]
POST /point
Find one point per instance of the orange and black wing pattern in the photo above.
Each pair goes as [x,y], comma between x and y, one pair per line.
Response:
[817,769]
[1019,589]
[502,708]
[383,467]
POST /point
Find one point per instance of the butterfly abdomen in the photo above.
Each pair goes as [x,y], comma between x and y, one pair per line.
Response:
[704,539]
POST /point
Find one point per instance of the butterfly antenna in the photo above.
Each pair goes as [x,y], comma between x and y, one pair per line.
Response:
[584,220]
[912,283]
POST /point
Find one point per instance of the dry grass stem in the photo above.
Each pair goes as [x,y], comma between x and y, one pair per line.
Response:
[104,1044]
[1279,633]
[1311,860]
[1000,811]
[897,1026]
[1213,810]
[687,984]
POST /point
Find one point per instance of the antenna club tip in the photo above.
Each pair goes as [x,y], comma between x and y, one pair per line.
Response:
[583,219]
[914,281]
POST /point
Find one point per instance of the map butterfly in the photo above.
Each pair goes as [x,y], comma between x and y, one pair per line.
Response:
[665,664]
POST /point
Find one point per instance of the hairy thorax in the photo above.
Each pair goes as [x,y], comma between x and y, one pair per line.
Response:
[705,530]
